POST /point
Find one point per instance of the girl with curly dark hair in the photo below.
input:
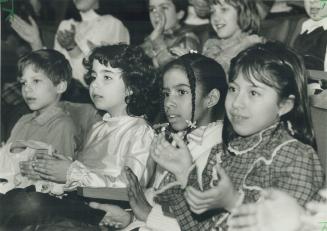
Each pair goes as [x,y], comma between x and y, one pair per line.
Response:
[121,79]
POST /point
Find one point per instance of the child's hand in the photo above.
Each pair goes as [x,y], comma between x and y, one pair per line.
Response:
[53,169]
[268,214]
[244,218]
[177,160]
[139,204]
[29,31]
[115,216]
[26,169]
[179,51]
[159,25]
[66,38]
[221,196]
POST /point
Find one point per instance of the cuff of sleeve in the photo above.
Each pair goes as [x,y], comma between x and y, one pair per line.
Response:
[156,217]
[74,174]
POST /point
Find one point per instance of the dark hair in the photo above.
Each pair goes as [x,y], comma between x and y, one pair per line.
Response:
[137,72]
[281,68]
[206,71]
[54,64]
[180,5]
[248,18]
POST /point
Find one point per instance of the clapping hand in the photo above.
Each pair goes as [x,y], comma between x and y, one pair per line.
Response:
[53,168]
[66,38]
[139,204]
[176,159]
[29,31]
[221,196]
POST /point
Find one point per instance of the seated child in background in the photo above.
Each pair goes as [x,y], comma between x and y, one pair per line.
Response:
[194,89]
[122,79]
[280,212]
[167,18]
[267,134]
[236,24]
[44,76]
[312,41]
[197,20]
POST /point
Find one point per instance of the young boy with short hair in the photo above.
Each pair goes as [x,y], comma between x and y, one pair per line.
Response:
[44,76]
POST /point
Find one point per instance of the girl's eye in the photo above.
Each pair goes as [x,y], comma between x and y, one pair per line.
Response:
[182,92]
[92,78]
[22,83]
[152,10]
[36,81]
[231,89]
[254,93]
[165,94]
[106,77]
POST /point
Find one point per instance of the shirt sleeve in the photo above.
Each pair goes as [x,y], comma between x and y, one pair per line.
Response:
[63,137]
[136,159]
[297,171]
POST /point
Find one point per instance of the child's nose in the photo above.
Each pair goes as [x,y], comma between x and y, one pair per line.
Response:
[170,102]
[28,87]
[239,101]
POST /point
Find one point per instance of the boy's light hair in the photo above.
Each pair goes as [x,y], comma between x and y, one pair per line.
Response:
[51,62]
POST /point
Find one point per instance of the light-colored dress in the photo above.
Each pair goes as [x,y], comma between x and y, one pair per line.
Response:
[112,143]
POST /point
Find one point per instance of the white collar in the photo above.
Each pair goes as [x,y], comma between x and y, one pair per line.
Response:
[193,19]
[310,25]
[89,15]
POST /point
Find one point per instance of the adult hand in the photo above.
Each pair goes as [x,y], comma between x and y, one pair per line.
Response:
[221,196]
[139,204]
[29,31]
[66,38]
[52,169]
[115,216]
[177,160]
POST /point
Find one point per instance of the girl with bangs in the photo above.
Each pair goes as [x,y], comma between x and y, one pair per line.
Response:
[236,24]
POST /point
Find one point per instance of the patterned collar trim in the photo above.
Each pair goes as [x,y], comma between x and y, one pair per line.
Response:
[242,145]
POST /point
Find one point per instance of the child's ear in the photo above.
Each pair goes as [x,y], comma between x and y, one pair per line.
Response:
[213,98]
[286,105]
[180,14]
[61,87]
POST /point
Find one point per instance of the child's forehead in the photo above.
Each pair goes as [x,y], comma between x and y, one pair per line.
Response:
[31,70]
[98,65]
[160,2]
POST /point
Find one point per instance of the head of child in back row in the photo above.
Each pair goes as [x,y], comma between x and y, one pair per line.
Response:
[231,18]
[193,89]
[121,79]
[44,76]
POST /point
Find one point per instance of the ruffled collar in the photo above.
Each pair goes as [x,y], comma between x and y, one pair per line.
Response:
[242,145]
[200,133]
